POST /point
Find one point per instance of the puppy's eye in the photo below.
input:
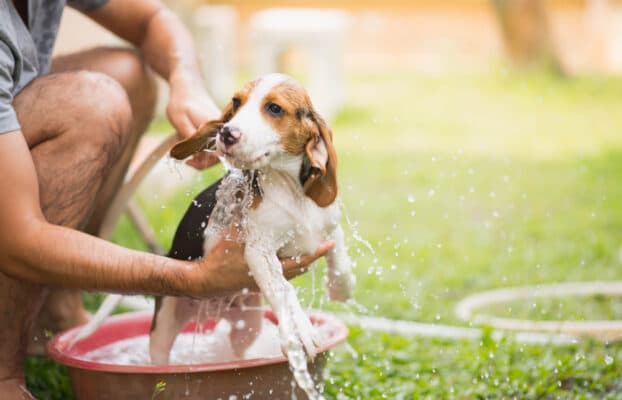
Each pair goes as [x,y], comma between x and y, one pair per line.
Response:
[274,109]
[236,103]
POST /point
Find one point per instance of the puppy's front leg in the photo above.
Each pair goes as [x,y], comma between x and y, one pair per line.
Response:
[294,325]
[339,278]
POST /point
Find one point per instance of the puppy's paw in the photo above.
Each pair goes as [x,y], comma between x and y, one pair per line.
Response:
[308,336]
[305,330]
[297,335]
[340,286]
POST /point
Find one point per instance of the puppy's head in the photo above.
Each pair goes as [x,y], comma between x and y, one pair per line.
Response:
[272,122]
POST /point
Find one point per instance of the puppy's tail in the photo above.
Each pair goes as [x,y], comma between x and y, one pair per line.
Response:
[110,303]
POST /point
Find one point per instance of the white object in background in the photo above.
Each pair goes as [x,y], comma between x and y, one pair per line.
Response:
[321,33]
[215,30]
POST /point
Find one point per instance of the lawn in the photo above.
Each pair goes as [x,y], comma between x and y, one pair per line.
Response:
[463,183]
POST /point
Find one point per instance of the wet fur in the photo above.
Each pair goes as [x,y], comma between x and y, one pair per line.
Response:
[297,211]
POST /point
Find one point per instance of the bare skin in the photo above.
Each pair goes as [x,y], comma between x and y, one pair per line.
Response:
[79,130]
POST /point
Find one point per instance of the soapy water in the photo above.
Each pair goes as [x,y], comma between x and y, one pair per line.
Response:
[211,346]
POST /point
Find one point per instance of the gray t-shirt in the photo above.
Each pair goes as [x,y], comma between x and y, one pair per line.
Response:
[25,51]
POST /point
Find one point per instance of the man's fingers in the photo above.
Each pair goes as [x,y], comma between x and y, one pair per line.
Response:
[198,116]
[203,160]
[185,128]
[324,248]
[293,267]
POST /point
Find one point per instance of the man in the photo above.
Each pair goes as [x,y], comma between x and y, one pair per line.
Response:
[68,128]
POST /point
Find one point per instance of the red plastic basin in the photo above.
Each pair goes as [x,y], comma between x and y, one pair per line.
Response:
[262,378]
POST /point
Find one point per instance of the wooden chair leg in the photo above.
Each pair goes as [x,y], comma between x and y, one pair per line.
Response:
[145,231]
[120,202]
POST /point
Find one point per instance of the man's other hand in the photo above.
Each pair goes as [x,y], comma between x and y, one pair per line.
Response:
[224,269]
[188,108]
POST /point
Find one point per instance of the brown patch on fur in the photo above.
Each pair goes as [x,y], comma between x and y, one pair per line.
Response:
[321,186]
[295,125]
[301,129]
[202,139]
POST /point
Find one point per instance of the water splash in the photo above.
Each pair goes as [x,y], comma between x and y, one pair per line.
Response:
[235,197]
[355,233]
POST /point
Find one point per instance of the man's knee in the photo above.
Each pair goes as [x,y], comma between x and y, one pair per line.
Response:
[90,105]
[103,110]
[128,67]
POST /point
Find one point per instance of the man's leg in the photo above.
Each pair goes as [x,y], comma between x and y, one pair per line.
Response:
[63,307]
[126,67]
[78,126]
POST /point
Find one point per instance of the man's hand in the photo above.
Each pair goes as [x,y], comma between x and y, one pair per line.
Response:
[188,108]
[224,269]
[168,48]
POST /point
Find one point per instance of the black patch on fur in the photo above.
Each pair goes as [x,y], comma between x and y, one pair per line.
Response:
[189,237]
[306,171]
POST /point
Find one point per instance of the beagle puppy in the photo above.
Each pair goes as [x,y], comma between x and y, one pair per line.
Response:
[278,198]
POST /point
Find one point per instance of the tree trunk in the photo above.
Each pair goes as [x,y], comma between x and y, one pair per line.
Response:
[526,33]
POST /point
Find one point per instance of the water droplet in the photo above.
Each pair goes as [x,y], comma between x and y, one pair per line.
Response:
[411,198]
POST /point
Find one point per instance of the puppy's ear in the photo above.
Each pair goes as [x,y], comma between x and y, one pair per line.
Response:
[321,183]
[204,138]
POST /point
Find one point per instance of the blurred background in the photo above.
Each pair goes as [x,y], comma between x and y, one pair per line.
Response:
[480,146]
[428,35]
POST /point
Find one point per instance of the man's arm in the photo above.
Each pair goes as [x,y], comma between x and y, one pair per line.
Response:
[168,48]
[34,250]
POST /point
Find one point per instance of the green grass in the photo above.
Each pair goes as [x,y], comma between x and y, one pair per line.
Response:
[464,183]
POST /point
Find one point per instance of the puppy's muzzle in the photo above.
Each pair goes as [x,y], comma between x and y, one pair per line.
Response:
[229,135]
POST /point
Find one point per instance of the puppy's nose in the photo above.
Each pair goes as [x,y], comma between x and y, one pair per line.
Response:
[230,135]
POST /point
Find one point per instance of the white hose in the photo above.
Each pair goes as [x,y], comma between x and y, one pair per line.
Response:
[606,330]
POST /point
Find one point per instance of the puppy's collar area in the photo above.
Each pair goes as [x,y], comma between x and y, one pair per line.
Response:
[253,176]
